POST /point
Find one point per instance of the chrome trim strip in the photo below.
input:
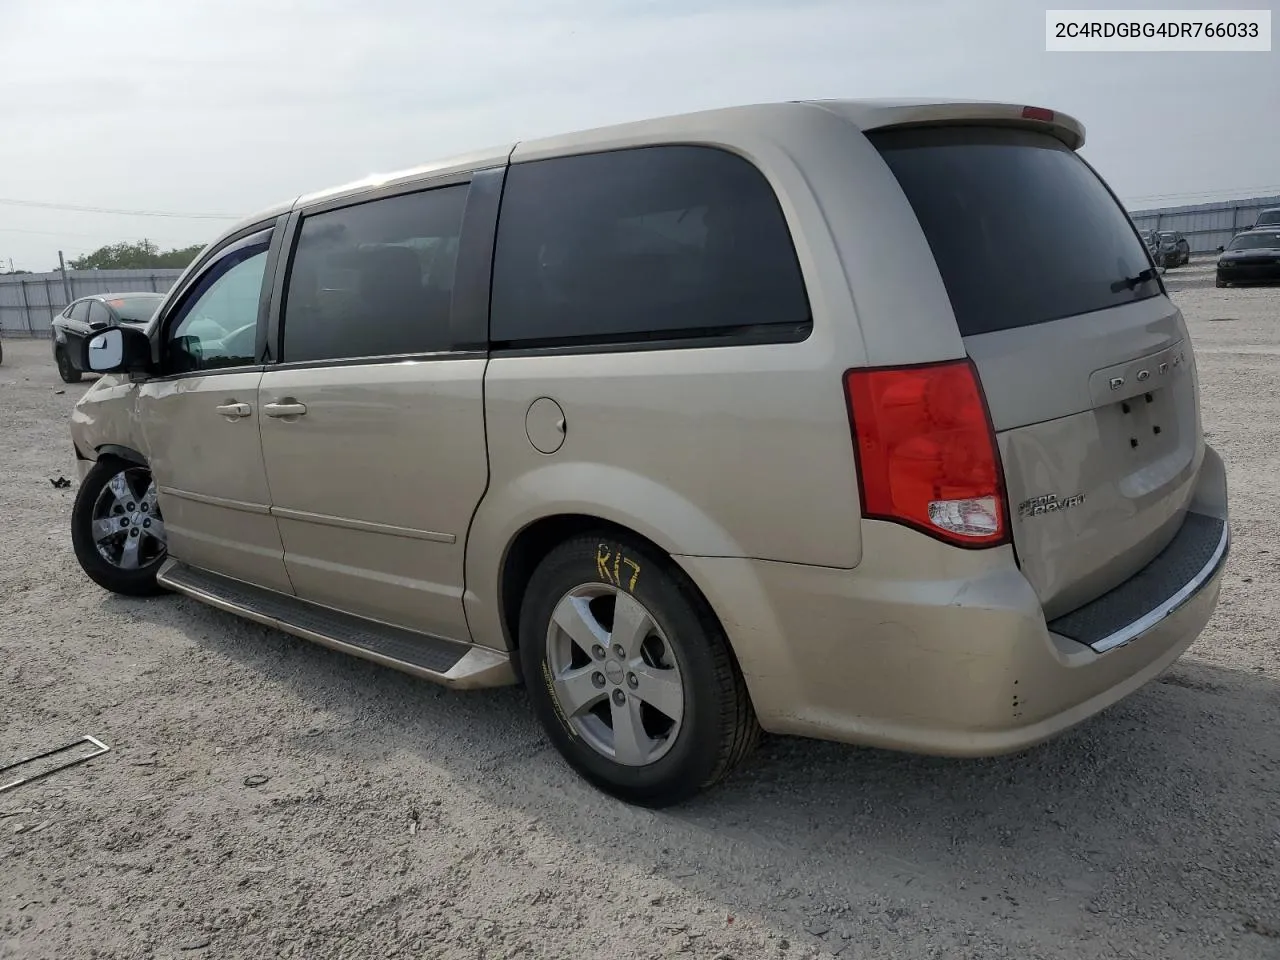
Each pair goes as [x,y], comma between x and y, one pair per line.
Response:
[259,508]
[1144,623]
[363,525]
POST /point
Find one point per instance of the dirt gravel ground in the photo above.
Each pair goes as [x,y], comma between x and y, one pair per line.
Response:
[402,820]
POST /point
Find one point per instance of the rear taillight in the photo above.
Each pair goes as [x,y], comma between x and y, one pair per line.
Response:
[927,451]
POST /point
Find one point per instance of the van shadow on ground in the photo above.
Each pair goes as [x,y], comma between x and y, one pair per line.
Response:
[1158,815]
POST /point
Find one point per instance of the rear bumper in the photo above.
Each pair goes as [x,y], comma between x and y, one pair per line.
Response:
[935,650]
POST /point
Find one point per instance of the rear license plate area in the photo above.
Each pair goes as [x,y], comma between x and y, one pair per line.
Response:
[1147,422]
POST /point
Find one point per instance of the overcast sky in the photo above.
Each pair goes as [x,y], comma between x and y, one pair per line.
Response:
[226,106]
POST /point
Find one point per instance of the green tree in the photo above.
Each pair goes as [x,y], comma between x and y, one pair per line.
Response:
[140,255]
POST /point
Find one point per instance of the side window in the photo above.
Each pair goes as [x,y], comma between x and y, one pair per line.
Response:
[98,314]
[216,325]
[375,279]
[641,244]
[80,311]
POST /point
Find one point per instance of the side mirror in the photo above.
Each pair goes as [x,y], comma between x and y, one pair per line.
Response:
[1221,248]
[115,349]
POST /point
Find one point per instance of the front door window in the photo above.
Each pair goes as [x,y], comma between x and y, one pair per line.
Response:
[217,327]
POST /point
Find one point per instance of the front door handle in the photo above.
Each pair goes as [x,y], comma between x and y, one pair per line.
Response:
[234,411]
[287,408]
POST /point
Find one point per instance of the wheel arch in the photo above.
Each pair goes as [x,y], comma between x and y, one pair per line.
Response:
[518,521]
[120,452]
[535,540]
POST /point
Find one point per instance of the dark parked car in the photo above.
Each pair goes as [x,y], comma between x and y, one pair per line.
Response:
[90,314]
[1172,249]
[1269,217]
[1251,257]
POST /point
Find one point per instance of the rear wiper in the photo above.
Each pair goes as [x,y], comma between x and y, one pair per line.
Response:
[1130,283]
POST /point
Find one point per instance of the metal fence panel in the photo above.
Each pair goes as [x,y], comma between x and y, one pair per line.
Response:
[30,301]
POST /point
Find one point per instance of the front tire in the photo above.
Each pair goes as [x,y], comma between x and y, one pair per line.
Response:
[66,371]
[116,528]
[1219,282]
[630,674]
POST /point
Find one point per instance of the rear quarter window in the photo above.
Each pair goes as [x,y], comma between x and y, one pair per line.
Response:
[1022,229]
[652,243]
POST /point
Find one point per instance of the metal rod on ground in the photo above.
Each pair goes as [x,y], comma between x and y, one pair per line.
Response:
[99,749]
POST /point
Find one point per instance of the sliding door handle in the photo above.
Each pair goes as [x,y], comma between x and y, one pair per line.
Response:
[285,408]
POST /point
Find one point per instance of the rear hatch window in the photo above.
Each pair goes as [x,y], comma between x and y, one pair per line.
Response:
[1023,231]
[135,309]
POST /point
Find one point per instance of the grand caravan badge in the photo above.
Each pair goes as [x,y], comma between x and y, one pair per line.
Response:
[1048,503]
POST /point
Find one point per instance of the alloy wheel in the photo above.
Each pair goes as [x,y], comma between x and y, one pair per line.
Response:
[128,529]
[614,675]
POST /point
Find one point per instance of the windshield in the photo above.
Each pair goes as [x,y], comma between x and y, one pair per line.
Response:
[1022,229]
[1255,241]
[1268,217]
[135,309]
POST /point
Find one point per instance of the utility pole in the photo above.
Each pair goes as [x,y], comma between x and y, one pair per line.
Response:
[66,284]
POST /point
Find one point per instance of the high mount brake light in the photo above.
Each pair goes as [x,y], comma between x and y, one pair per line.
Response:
[927,453]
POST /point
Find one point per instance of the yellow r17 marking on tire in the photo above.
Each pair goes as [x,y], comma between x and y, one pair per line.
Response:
[602,562]
[635,574]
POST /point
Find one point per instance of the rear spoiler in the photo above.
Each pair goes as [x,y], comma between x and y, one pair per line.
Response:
[872,115]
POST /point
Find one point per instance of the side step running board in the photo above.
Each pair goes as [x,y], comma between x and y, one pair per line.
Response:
[460,665]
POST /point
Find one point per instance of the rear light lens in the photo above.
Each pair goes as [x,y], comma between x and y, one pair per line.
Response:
[927,451]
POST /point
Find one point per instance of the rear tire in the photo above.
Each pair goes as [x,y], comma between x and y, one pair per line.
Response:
[113,547]
[66,371]
[617,727]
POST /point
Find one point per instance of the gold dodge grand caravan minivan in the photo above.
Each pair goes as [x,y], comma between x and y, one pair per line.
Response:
[868,421]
